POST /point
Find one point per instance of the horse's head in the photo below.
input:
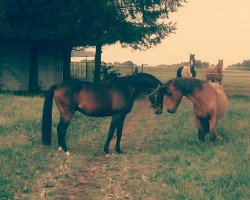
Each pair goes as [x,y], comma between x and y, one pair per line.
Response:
[220,66]
[156,99]
[173,96]
[192,59]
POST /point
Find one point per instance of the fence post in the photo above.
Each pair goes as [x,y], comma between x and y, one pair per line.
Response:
[86,65]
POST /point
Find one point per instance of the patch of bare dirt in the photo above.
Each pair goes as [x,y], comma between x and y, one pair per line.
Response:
[133,120]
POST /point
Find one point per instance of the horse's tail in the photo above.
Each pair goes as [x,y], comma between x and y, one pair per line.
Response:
[179,70]
[47,116]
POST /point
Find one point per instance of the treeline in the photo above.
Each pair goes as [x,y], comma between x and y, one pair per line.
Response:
[198,64]
[245,65]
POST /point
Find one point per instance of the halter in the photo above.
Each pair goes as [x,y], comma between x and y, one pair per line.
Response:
[154,92]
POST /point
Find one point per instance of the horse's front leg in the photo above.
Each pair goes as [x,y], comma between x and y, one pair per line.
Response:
[119,135]
[201,125]
[113,126]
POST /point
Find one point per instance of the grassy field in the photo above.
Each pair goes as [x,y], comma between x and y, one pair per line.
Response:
[163,158]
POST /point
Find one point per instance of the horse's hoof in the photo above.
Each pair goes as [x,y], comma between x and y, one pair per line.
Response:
[202,139]
[67,153]
[107,155]
[119,151]
[106,150]
[220,138]
[59,148]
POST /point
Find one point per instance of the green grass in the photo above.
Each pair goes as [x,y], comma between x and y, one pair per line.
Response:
[163,158]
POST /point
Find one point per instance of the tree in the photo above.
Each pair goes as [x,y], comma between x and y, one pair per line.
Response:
[136,23]
[64,24]
[40,23]
[130,63]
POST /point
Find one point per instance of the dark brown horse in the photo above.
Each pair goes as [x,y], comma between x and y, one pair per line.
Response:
[108,98]
[209,102]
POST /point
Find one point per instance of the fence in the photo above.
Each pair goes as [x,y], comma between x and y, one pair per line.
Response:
[128,69]
[83,70]
[238,69]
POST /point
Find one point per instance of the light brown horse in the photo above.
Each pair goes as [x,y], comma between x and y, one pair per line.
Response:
[214,73]
[209,102]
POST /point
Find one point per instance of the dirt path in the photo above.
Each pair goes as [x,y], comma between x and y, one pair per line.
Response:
[66,184]
[132,121]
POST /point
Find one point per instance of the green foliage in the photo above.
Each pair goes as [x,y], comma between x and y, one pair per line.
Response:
[109,72]
[83,22]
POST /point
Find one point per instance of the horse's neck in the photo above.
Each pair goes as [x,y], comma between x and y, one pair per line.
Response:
[217,67]
[136,90]
[193,99]
[191,63]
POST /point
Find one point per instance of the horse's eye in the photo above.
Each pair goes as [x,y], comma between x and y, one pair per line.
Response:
[170,93]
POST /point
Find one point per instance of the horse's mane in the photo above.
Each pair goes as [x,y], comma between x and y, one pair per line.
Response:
[186,85]
[141,79]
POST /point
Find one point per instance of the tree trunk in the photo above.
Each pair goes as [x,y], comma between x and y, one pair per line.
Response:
[98,58]
[33,70]
[66,63]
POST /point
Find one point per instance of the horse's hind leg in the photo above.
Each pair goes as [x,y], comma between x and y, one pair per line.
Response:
[61,134]
[119,135]
[113,125]
[62,127]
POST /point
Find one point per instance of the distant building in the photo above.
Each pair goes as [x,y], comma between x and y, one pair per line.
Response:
[82,64]
[82,55]
[15,63]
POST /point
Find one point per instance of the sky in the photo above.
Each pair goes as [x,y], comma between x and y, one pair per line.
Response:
[212,29]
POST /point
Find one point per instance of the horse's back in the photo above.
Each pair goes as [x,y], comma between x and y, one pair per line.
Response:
[186,72]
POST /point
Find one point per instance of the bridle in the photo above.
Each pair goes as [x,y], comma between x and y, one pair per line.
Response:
[155,97]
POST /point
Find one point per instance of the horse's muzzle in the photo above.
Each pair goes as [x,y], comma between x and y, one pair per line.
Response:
[172,110]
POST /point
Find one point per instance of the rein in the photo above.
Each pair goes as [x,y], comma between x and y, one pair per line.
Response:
[154,93]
